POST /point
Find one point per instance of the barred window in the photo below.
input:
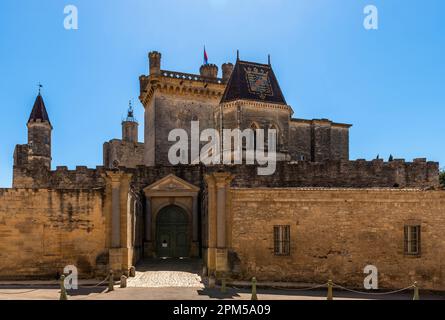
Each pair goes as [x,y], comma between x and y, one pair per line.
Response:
[282,240]
[412,240]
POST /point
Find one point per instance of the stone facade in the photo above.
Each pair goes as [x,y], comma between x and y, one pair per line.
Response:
[117,153]
[342,214]
[42,231]
[335,233]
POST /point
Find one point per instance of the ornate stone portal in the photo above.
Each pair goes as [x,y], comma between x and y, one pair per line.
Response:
[165,197]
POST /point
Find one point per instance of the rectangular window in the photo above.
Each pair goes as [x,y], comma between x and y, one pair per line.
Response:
[412,240]
[282,240]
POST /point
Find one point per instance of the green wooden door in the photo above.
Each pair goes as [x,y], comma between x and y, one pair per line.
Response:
[172,236]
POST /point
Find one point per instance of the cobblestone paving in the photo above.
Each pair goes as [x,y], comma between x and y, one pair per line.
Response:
[168,273]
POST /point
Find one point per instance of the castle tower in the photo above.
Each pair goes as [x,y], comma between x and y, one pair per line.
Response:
[227,69]
[253,99]
[209,71]
[173,100]
[39,135]
[130,126]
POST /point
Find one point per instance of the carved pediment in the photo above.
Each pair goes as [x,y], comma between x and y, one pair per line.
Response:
[171,184]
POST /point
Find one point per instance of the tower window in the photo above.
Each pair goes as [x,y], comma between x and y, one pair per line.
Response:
[412,240]
[282,240]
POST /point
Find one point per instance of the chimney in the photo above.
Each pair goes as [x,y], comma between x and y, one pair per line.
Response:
[155,62]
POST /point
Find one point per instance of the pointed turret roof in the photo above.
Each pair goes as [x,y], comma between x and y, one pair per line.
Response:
[253,81]
[39,111]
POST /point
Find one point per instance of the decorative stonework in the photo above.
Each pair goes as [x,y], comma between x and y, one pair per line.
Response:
[171,190]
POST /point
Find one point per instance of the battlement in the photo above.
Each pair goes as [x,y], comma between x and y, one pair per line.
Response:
[419,173]
[61,178]
[206,83]
[344,174]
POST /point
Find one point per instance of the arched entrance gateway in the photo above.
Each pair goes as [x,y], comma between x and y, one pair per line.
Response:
[171,219]
[172,233]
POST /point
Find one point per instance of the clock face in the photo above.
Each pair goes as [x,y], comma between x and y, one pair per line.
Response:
[258,82]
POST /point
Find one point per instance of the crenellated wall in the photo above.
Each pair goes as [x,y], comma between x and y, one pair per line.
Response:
[61,178]
[345,174]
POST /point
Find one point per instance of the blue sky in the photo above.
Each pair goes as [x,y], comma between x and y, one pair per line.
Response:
[389,82]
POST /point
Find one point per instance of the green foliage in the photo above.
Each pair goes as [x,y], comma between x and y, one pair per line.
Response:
[442,177]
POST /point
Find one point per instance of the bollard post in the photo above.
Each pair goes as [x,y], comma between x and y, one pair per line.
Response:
[63,295]
[223,285]
[132,272]
[254,295]
[204,271]
[111,281]
[211,282]
[416,292]
[330,294]
[123,281]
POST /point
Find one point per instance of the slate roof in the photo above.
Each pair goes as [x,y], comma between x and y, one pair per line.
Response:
[39,111]
[253,81]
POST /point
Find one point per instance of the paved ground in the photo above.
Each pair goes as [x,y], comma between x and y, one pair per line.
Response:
[167,273]
[48,293]
[177,280]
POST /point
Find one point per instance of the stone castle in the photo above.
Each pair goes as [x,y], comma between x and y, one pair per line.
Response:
[318,216]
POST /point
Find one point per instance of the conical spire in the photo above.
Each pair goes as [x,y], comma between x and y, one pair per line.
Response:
[39,111]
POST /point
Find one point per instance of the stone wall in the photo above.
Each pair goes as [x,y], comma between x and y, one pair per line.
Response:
[61,178]
[178,112]
[344,174]
[42,231]
[247,114]
[336,233]
[118,153]
[318,140]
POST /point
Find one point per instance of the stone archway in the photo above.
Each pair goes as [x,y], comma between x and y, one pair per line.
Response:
[172,233]
[170,192]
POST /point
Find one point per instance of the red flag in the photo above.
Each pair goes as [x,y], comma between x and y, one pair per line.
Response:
[206,59]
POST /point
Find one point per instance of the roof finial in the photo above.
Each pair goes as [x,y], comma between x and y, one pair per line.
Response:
[40,87]
[237,55]
[268,59]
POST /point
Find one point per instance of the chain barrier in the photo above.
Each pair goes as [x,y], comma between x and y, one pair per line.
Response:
[22,292]
[373,293]
[53,282]
[96,285]
[300,289]
[330,285]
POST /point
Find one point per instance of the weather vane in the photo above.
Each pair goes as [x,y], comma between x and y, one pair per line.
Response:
[40,87]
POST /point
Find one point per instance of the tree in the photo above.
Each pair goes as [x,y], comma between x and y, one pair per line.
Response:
[442,177]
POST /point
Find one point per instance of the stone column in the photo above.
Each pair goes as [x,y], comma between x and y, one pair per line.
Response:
[221,214]
[148,243]
[209,253]
[222,183]
[195,218]
[147,219]
[195,228]
[117,185]
[115,213]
